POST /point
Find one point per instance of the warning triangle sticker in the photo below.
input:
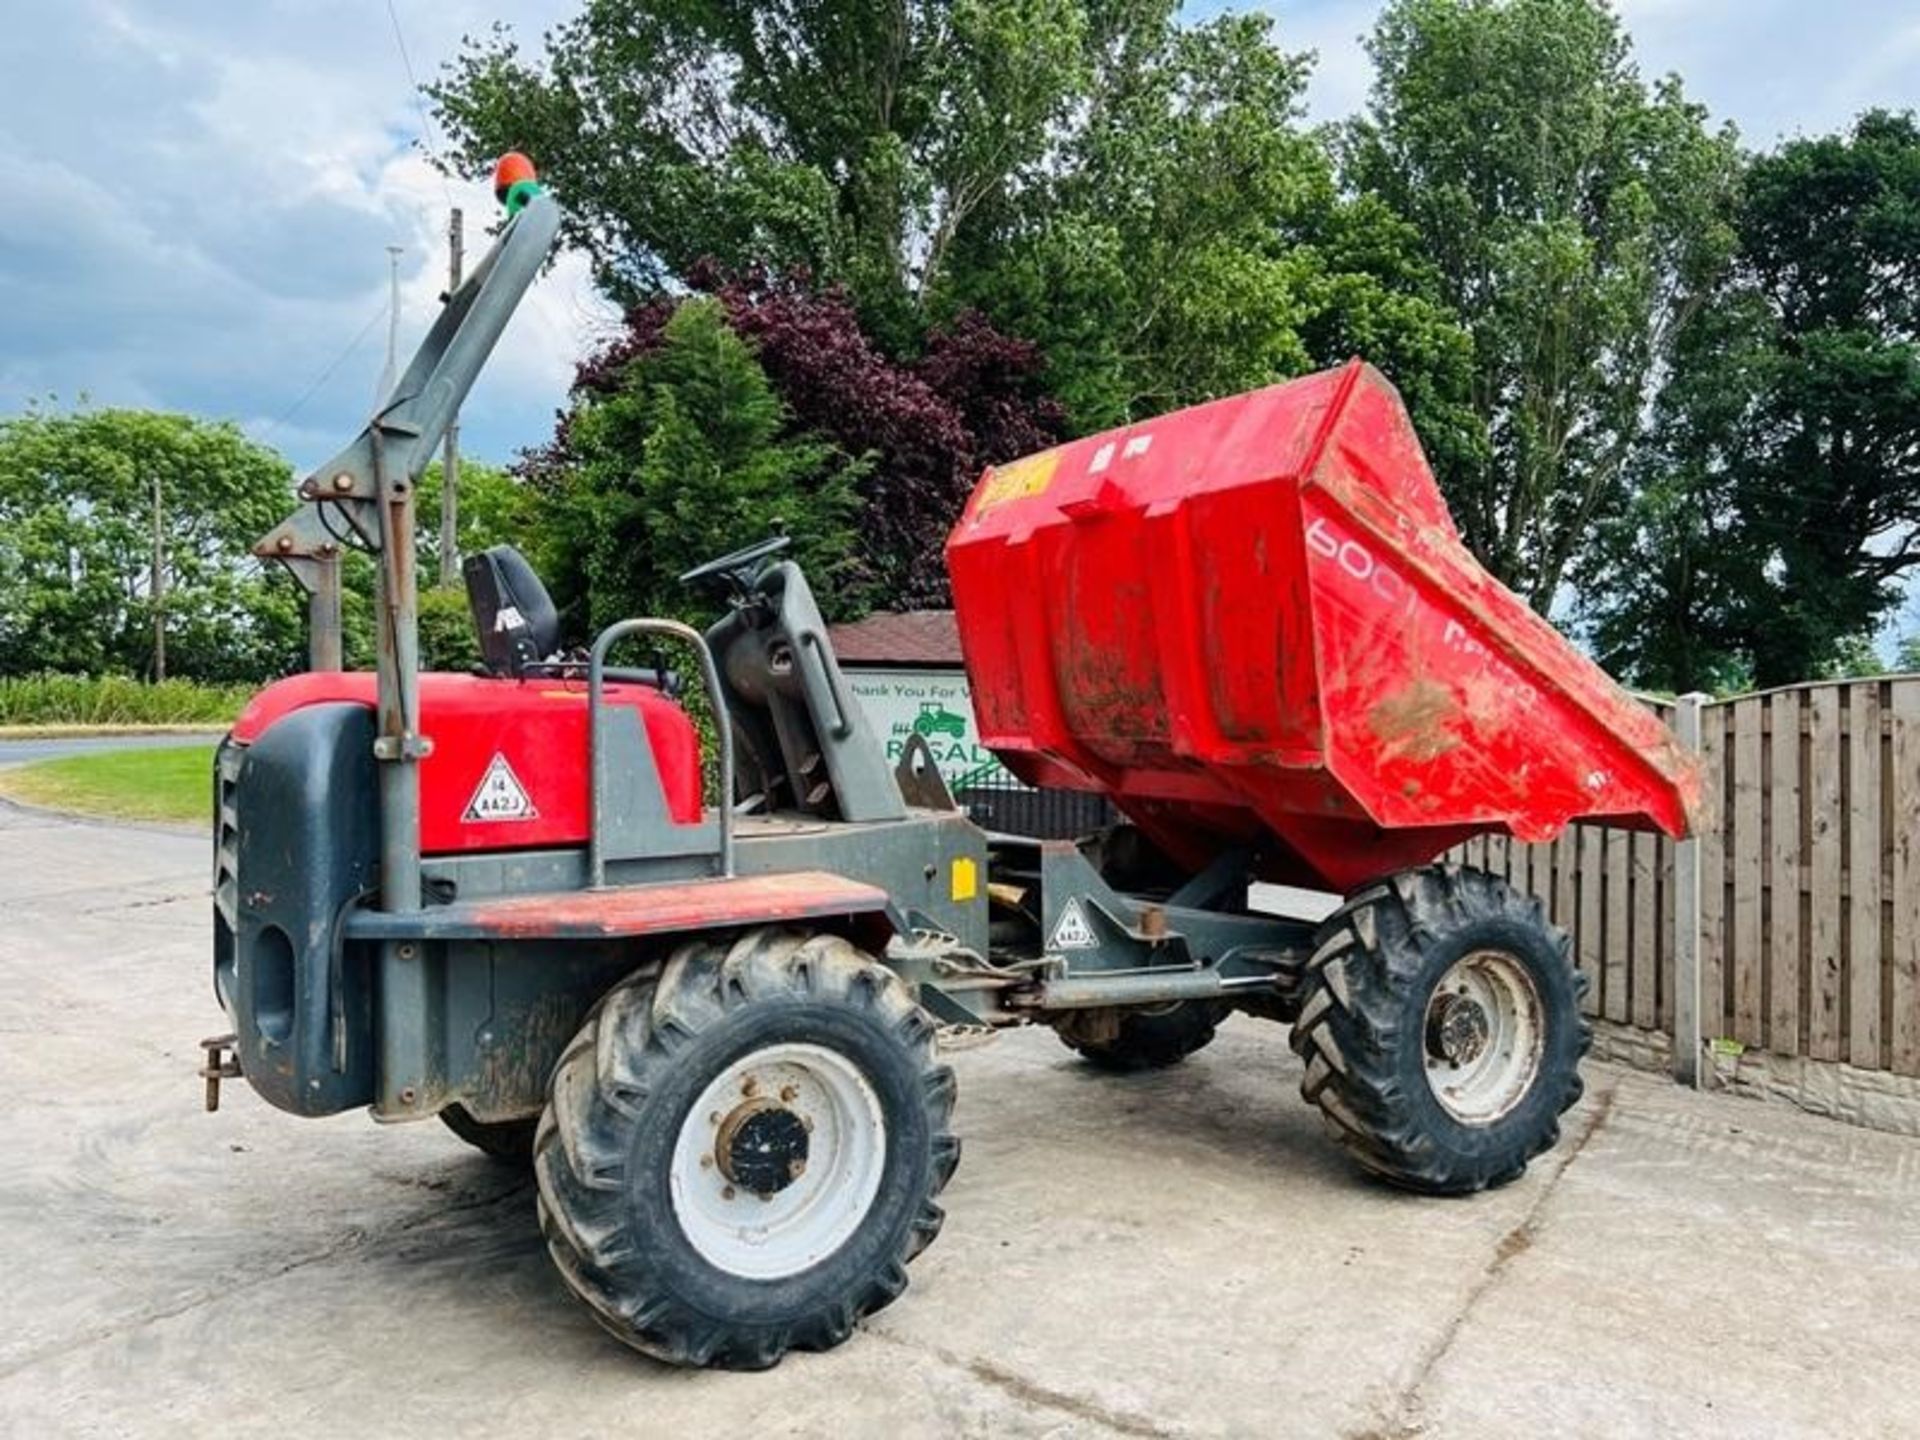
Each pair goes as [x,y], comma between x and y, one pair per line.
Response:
[501,796]
[1071,931]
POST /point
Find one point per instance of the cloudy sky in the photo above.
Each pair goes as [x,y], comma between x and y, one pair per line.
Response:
[200,191]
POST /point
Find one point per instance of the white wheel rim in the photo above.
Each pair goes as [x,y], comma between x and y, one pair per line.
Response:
[767,1234]
[1483,1036]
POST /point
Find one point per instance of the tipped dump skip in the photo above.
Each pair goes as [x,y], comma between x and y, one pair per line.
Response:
[1253,623]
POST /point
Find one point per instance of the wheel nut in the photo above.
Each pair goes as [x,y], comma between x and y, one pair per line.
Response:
[726,1192]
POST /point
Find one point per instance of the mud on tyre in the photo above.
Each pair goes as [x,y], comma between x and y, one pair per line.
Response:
[1441,1028]
[740,1156]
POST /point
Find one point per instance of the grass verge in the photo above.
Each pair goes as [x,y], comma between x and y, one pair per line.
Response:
[172,783]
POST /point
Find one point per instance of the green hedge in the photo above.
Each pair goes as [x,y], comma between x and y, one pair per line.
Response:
[116,700]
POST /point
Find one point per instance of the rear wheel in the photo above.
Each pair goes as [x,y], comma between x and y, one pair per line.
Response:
[1440,1022]
[510,1141]
[1147,1038]
[740,1157]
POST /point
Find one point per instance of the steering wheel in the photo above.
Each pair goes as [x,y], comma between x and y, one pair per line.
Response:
[737,569]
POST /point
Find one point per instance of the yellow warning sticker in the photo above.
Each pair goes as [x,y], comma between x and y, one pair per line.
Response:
[1019,480]
[966,880]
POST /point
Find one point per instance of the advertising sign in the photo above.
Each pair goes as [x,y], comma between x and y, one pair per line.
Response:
[935,704]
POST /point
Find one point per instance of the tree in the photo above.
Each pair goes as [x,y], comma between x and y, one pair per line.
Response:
[1669,574]
[1830,484]
[923,430]
[1134,194]
[677,453]
[860,141]
[920,431]
[1153,266]
[1790,429]
[447,638]
[1576,221]
[77,497]
[1854,658]
[1906,660]
[495,509]
[1190,241]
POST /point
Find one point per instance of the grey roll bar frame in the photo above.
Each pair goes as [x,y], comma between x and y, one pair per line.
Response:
[596,746]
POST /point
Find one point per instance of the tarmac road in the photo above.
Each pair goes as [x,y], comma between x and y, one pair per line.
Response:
[19,752]
[1169,1255]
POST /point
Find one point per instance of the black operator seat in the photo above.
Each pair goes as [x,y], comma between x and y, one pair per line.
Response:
[513,616]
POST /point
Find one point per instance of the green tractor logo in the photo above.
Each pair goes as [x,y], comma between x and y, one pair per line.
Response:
[935,719]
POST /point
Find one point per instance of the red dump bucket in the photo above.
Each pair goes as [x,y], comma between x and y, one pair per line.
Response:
[1253,622]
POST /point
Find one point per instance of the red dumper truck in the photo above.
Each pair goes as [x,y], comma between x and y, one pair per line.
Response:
[711,1022]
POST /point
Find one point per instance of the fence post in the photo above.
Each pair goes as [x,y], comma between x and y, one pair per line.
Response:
[1686,917]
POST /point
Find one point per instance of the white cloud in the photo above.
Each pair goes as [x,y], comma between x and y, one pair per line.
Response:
[1775,68]
[1334,30]
[201,191]
[199,207]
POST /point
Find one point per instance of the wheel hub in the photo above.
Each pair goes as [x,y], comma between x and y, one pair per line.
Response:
[762,1147]
[778,1160]
[1458,1029]
[1484,1036]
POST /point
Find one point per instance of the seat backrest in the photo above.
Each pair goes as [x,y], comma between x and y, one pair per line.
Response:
[513,616]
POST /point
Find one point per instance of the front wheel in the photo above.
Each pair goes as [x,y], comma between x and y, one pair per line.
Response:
[1440,1024]
[740,1157]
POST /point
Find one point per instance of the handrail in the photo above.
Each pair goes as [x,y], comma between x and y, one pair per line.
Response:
[829,687]
[596,751]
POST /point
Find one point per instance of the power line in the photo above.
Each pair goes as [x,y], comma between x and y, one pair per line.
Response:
[326,374]
[429,135]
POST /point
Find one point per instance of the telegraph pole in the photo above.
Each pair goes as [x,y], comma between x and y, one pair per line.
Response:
[158,585]
[390,373]
[450,462]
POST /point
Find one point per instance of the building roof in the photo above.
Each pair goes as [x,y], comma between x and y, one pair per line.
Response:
[905,637]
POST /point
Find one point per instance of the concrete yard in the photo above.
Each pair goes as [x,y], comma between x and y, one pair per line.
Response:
[1174,1254]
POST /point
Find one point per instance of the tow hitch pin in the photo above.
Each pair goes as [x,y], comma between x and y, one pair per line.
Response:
[221,1065]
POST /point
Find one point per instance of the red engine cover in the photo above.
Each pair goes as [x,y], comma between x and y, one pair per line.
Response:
[1254,621]
[509,764]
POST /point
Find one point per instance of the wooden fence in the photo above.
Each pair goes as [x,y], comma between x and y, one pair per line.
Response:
[1807,941]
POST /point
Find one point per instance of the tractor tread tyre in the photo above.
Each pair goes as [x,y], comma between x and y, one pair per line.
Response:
[618,1097]
[1146,1039]
[1361,1029]
[509,1141]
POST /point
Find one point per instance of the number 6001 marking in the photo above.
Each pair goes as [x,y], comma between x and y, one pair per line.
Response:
[1354,558]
